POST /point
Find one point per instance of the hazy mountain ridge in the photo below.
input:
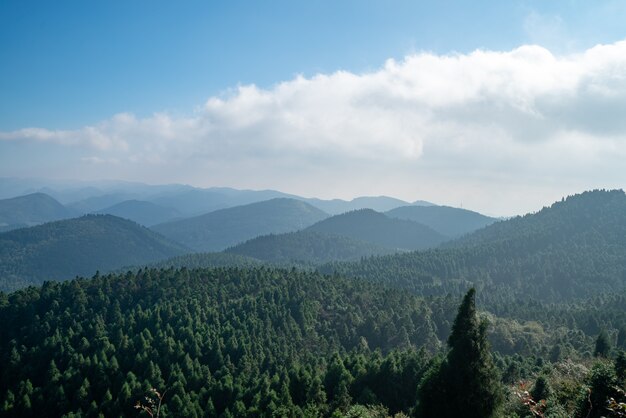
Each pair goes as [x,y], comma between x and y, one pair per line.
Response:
[449,221]
[92,196]
[30,210]
[376,228]
[349,236]
[143,212]
[80,246]
[377,203]
[221,229]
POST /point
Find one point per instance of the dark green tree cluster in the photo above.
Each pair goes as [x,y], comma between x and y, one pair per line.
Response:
[222,342]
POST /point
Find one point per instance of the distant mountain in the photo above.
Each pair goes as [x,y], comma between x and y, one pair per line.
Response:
[29,210]
[144,213]
[377,203]
[224,228]
[92,196]
[201,201]
[572,249]
[80,246]
[94,204]
[376,228]
[307,247]
[452,222]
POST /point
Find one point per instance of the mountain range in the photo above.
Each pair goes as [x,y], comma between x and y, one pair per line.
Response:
[572,248]
[218,230]
[89,197]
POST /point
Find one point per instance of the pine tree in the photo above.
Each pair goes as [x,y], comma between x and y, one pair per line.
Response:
[603,346]
[620,366]
[542,389]
[466,383]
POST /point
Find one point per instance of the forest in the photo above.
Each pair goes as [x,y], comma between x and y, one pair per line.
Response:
[259,341]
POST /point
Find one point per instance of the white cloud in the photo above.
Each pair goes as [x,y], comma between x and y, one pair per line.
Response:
[428,126]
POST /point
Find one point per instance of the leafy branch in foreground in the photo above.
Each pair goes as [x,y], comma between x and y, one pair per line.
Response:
[154,400]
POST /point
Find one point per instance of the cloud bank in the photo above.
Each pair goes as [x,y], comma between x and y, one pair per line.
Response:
[499,131]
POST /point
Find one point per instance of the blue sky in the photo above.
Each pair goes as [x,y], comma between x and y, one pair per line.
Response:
[68,67]
[70,63]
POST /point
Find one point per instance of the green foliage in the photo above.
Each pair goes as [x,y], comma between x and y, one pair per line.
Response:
[541,389]
[602,385]
[603,345]
[620,366]
[223,341]
[466,383]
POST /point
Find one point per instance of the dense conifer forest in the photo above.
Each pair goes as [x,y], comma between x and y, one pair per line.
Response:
[274,342]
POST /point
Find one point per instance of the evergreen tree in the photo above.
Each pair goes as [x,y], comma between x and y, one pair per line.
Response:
[621,337]
[620,366]
[542,389]
[466,383]
[603,346]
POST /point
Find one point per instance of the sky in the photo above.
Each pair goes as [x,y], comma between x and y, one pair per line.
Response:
[501,107]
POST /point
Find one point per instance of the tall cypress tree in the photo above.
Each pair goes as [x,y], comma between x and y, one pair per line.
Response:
[603,345]
[466,383]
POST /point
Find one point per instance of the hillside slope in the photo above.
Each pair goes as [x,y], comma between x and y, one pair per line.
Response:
[306,247]
[376,228]
[29,210]
[218,340]
[572,249]
[80,246]
[449,221]
[223,228]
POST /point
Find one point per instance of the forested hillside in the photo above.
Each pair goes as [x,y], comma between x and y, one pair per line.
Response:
[80,246]
[221,229]
[29,210]
[573,249]
[307,247]
[240,342]
[378,229]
